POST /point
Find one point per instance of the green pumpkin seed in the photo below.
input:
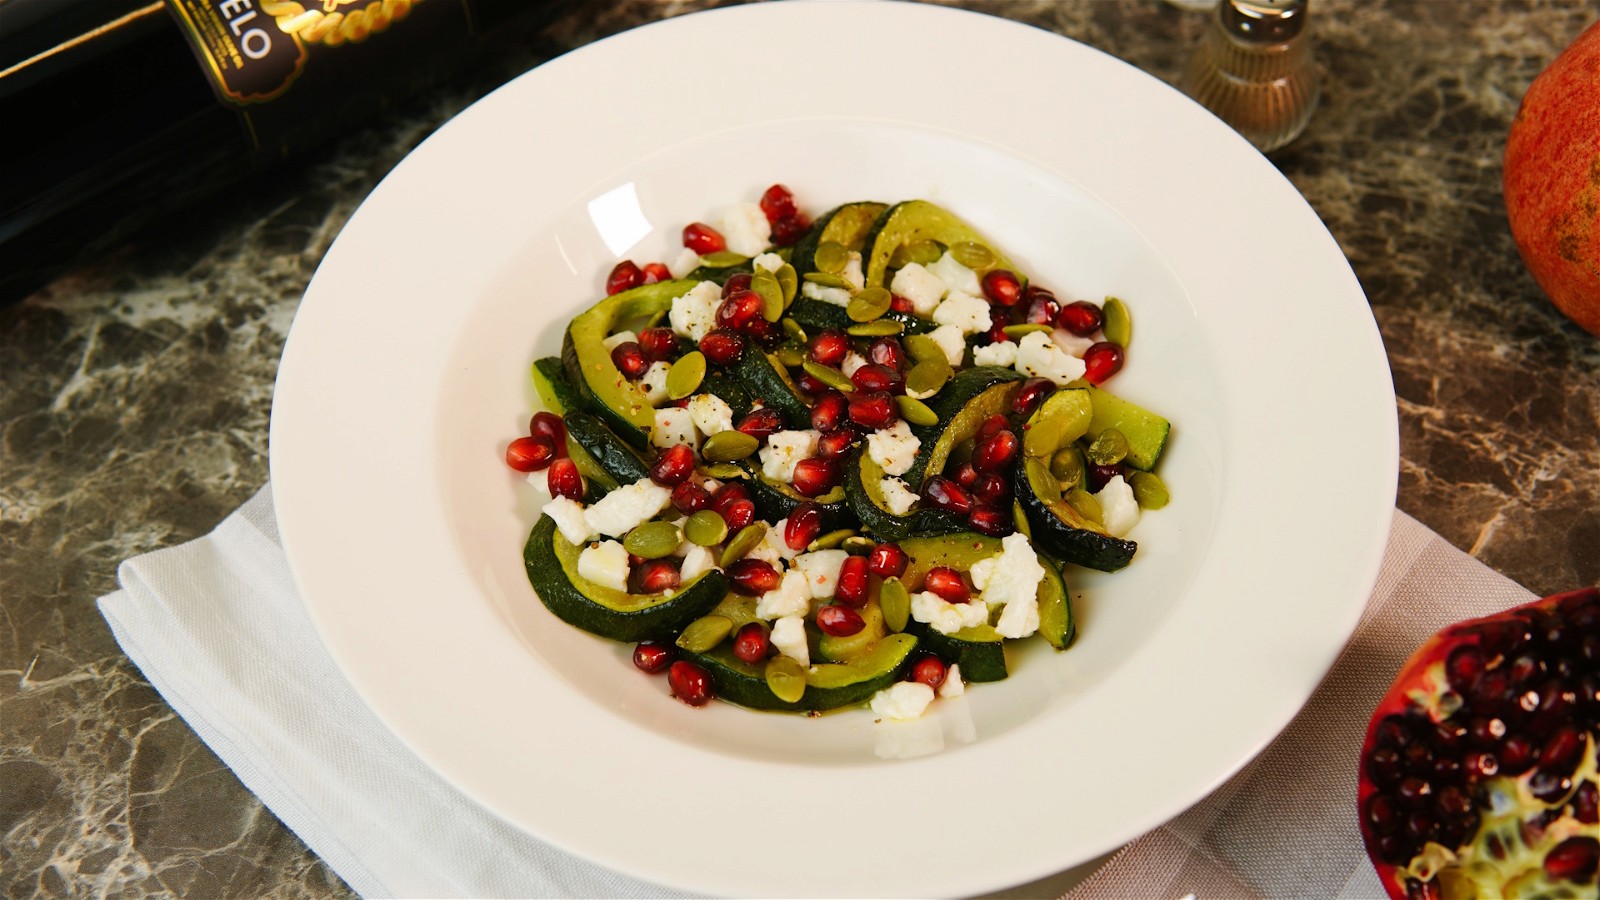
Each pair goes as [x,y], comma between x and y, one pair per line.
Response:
[830,540]
[1118,327]
[705,528]
[925,253]
[686,374]
[928,376]
[704,633]
[829,376]
[879,328]
[721,471]
[831,257]
[923,348]
[788,282]
[973,255]
[653,540]
[1015,332]
[915,411]
[859,545]
[748,538]
[727,446]
[722,259]
[894,601]
[1109,448]
[868,304]
[790,353]
[1067,467]
[1149,490]
[1043,437]
[786,678]
[766,286]
[827,280]
[900,257]
[1040,481]
[795,332]
[1085,504]
[1019,520]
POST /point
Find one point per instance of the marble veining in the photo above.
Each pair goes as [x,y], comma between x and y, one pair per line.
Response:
[135,392]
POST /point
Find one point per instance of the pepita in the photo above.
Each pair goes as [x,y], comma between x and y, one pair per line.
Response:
[894,601]
[1118,326]
[706,528]
[928,376]
[1043,437]
[766,286]
[829,376]
[1067,467]
[1108,448]
[704,633]
[925,252]
[727,446]
[721,471]
[858,545]
[830,540]
[788,282]
[831,257]
[1017,331]
[1086,505]
[686,374]
[827,280]
[973,255]
[1019,521]
[786,678]
[722,259]
[790,353]
[653,540]
[795,332]
[742,543]
[922,348]
[868,304]
[915,411]
[1149,490]
[879,328]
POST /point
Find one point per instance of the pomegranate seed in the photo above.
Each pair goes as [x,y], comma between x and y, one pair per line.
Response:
[1586,803]
[739,514]
[703,239]
[789,229]
[997,333]
[887,561]
[809,384]
[990,521]
[828,413]
[1099,475]
[886,351]
[836,444]
[1043,308]
[624,275]
[656,272]
[549,426]
[901,305]
[777,202]
[873,409]
[829,347]
[722,346]
[690,497]
[965,475]
[839,620]
[805,523]
[1081,317]
[942,493]
[930,670]
[530,454]
[752,577]
[991,488]
[1101,361]
[565,480]
[990,427]
[948,584]
[1574,859]
[873,377]
[1001,286]
[1561,750]
[653,657]
[738,309]
[658,343]
[815,476]
[851,588]
[690,683]
[727,495]
[751,643]
[996,452]
[673,465]
[738,281]
[657,575]
[761,423]
[1030,395]
[629,359]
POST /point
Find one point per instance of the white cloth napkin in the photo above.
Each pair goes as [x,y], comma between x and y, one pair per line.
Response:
[217,627]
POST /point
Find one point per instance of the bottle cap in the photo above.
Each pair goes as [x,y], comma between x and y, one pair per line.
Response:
[1262,21]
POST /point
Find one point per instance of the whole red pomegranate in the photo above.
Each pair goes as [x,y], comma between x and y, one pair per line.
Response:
[1551,180]
[1478,773]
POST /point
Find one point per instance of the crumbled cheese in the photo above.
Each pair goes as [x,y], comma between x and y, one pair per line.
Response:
[625,508]
[1038,355]
[898,496]
[852,271]
[835,295]
[767,262]
[1010,579]
[685,262]
[894,448]
[920,286]
[696,562]
[745,228]
[902,700]
[774,538]
[621,337]
[1003,354]
[790,598]
[605,564]
[674,425]
[945,617]
[711,414]
[1119,511]
[654,383]
[952,687]
[852,362]
[1074,345]
[695,313]
[951,341]
[570,519]
[784,449]
[957,276]
[789,636]
[821,571]
[540,480]
[964,311]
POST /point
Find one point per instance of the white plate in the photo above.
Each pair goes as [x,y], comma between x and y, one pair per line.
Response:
[406,373]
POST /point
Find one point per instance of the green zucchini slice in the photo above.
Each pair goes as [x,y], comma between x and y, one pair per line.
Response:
[609,452]
[972,396]
[1146,432]
[861,491]
[828,685]
[765,377]
[847,224]
[1058,530]
[912,221]
[601,387]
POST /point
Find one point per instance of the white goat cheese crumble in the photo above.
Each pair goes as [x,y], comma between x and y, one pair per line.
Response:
[920,286]
[695,312]
[955,275]
[968,313]
[1003,354]
[711,414]
[1119,511]
[945,617]
[674,425]
[895,448]
[605,564]
[570,519]
[821,571]
[784,449]
[654,383]
[1038,355]
[897,495]
[625,508]
[902,700]
[745,229]
[1011,579]
[789,636]
[792,597]
[950,339]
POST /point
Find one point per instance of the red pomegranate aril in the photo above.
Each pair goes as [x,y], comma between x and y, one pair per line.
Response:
[565,480]
[829,347]
[1002,287]
[530,454]
[624,275]
[738,281]
[1043,308]
[809,384]
[776,202]
[761,423]
[886,351]
[930,670]
[940,492]
[789,229]
[673,465]
[851,588]
[991,521]
[965,475]
[658,343]
[655,272]
[549,425]
[738,309]
[997,333]
[839,620]
[887,561]
[690,497]
[1081,317]
[703,239]
[738,514]
[1098,475]
[728,494]
[722,346]
[1101,361]
[1574,859]
[991,488]
[828,412]
[996,452]
[873,377]
[902,305]
[1586,803]
[836,444]
[690,683]
[629,360]
[815,476]
[768,334]
[1560,752]
[803,526]
[657,575]
[752,577]
[990,427]
[653,657]
[1030,395]
[948,584]
[751,643]
[873,409]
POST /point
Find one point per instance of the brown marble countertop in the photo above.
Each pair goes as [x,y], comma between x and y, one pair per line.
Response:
[135,392]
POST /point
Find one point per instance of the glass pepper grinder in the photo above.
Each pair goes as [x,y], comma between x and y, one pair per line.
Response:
[1254,69]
